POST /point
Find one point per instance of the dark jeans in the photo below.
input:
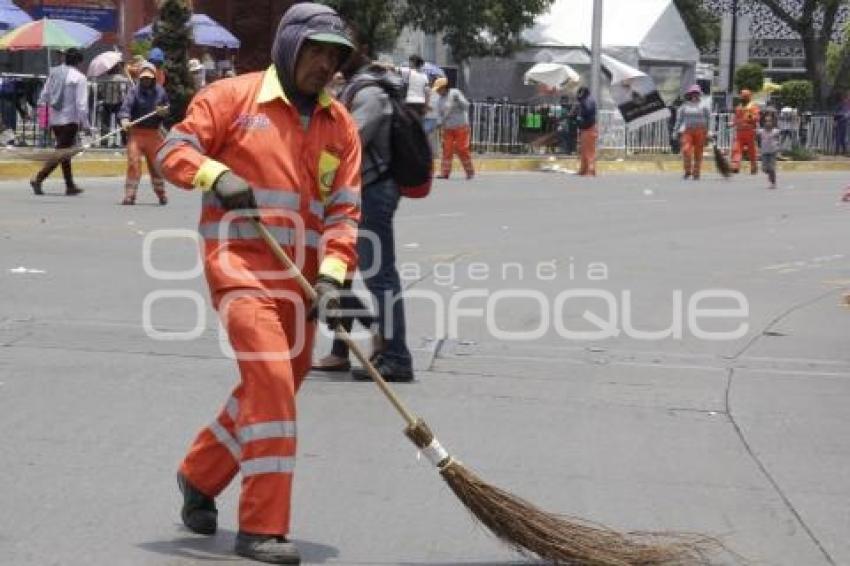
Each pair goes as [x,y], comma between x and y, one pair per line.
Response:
[66,136]
[379,204]
[841,137]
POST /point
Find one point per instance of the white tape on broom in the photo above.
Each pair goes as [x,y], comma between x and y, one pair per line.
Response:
[435,452]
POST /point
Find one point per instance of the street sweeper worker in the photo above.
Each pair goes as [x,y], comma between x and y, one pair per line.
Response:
[692,123]
[746,122]
[144,138]
[277,145]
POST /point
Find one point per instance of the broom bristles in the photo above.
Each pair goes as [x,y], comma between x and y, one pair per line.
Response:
[721,163]
[565,540]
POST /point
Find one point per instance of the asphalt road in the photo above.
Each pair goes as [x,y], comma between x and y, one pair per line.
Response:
[710,393]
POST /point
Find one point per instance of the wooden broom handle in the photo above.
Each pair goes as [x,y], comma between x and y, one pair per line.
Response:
[341,333]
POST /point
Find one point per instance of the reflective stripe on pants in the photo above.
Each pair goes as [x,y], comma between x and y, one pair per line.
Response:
[255,431]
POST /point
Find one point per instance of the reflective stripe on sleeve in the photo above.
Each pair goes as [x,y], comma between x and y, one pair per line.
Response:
[269,465]
[264,431]
[227,440]
[174,139]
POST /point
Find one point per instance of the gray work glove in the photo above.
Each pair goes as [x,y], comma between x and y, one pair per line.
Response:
[125,124]
[327,307]
[234,192]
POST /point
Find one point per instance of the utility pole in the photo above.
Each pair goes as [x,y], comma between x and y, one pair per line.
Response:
[733,52]
[596,50]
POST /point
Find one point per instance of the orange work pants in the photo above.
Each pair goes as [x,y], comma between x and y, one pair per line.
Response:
[693,145]
[456,141]
[143,143]
[255,431]
[745,142]
[587,150]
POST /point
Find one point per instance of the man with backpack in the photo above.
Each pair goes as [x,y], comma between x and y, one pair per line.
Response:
[375,98]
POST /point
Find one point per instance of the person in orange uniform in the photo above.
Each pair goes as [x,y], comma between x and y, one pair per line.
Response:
[277,145]
[144,138]
[746,122]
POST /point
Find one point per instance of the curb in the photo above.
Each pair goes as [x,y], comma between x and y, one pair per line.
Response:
[117,167]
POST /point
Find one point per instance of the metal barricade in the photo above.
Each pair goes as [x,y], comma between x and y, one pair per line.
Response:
[819,132]
[22,123]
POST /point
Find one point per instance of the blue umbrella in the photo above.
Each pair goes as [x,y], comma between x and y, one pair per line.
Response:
[205,31]
[11,16]
[433,71]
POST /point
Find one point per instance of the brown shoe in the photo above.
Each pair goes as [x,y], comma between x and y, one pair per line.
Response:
[128,201]
[36,186]
[73,191]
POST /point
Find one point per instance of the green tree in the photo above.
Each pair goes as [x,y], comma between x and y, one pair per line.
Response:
[703,25]
[171,33]
[749,76]
[837,56]
[378,22]
[815,25]
[476,28]
[797,94]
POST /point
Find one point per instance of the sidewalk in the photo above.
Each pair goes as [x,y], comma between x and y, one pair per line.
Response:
[112,163]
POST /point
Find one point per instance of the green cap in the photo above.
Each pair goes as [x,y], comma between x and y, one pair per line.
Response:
[329,37]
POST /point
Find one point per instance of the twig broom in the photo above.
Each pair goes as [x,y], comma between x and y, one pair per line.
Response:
[516,522]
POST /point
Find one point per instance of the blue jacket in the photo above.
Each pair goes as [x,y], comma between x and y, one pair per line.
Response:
[140,102]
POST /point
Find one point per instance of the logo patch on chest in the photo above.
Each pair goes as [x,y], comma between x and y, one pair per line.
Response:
[253,122]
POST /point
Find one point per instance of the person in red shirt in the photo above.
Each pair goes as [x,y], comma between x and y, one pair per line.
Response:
[275,145]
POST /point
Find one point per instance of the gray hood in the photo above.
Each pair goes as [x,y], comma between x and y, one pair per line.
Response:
[298,24]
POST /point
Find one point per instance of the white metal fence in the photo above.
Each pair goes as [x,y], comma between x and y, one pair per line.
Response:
[510,128]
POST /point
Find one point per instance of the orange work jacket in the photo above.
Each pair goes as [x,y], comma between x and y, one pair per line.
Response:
[306,180]
[747,117]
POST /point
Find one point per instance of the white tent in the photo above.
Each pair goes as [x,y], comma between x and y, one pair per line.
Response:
[649,35]
[635,31]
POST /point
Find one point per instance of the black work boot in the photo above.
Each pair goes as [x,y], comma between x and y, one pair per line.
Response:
[199,513]
[267,548]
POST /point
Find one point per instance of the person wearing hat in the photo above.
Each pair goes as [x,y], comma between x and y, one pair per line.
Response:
[199,74]
[66,95]
[274,145]
[745,122]
[144,138]
[156,57]
[693,120]
[453,116]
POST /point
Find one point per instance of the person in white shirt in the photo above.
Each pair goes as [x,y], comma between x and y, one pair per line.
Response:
[418,89]
[66,96]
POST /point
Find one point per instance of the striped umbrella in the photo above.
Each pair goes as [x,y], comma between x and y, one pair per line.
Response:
[49,34]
